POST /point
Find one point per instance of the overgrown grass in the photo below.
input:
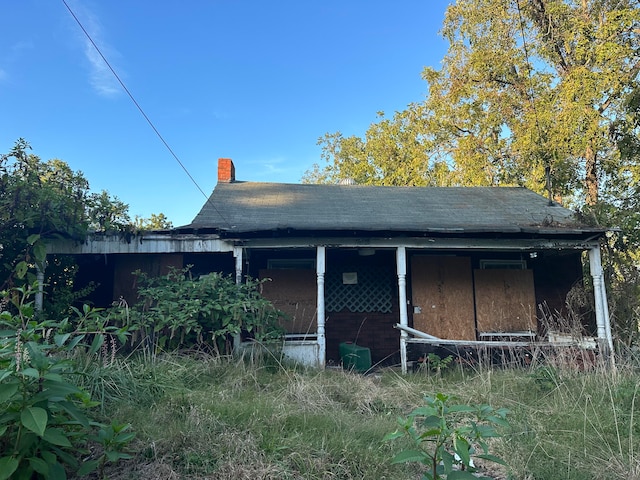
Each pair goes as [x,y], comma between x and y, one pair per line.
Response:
[207,417]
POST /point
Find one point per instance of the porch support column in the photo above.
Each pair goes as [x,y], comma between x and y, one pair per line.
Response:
[600,298]
[237,254]
[401,268]
[39,297]
[320,271]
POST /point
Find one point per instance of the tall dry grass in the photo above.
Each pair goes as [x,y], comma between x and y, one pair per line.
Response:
[224,418]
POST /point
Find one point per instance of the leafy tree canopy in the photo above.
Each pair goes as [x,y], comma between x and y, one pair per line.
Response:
[154,222]
[537,93]
[46,199]
[526,86]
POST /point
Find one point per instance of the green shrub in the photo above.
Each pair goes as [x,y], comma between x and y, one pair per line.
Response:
[45,421]
[178,311]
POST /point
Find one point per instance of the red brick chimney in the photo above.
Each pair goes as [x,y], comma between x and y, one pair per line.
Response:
[226,171]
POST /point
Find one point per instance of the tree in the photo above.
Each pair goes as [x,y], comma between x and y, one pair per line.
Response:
[537,93]
[40,200]
[154,222]
[37,200]
[527,86]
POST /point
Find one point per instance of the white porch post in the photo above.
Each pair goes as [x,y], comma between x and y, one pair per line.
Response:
[320,271]
[401,268]
[600,297]
[39,297]
[237,254]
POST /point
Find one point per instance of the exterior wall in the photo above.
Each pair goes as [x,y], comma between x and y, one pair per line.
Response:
[366,311]
[204,263]
[99,270]
[304,352]
[372,330]
[554,276]
[454,299]
[294,292]
[124,282]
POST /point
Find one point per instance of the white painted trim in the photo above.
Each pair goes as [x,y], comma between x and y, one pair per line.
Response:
[401,270]
[600,297]
[237,254]
[414,332]
[320,272]
[39,297]
[151,243]
[188,243]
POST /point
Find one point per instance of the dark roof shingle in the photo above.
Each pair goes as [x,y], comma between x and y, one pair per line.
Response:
[254,207]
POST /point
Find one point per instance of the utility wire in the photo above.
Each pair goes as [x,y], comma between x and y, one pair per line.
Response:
[124,87]
[547,167]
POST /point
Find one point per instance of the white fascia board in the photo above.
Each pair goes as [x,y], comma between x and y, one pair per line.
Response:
[150,243]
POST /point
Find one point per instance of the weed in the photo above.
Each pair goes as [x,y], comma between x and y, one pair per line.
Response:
[447,437]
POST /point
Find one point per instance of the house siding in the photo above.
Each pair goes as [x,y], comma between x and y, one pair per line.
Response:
[154,265]
[372,330]
[293,292]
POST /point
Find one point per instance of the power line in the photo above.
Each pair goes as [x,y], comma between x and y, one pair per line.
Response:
[530,95]
[153,127]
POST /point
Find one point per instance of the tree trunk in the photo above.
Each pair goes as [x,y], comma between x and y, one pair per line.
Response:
[591,175]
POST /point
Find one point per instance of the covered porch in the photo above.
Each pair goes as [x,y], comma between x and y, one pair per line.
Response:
[387,297]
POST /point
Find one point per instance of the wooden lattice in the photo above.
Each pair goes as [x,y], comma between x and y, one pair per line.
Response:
[372,293]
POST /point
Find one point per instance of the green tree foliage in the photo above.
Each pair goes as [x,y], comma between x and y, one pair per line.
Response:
[524,86]
[154,222]
[394,152]
[108,214]
[40,200]
[37,200]
[537,93]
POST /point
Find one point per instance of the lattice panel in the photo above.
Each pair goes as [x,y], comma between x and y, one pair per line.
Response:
[372,293]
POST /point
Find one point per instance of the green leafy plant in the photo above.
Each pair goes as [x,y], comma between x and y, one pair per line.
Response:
[448,436]
[435,363]
[113,439]
[45,421]
[178,311]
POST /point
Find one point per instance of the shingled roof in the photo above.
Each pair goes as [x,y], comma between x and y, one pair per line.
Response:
[243,207]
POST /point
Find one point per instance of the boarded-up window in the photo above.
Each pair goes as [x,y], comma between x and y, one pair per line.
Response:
[154,265]
[293,292]
[442,296]
[505,300]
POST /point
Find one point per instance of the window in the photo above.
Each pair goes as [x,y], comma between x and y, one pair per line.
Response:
[503,264]
[291,264]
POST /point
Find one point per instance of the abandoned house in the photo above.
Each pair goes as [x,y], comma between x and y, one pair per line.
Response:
[380,267]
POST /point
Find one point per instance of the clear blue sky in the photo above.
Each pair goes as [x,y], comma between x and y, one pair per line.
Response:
[253,80]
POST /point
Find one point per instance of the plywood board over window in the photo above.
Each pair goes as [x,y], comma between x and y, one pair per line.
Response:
[442,296]
[293,291]
[505,300]
[154,265]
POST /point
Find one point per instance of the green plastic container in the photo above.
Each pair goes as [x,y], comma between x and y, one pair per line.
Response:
[355,357]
